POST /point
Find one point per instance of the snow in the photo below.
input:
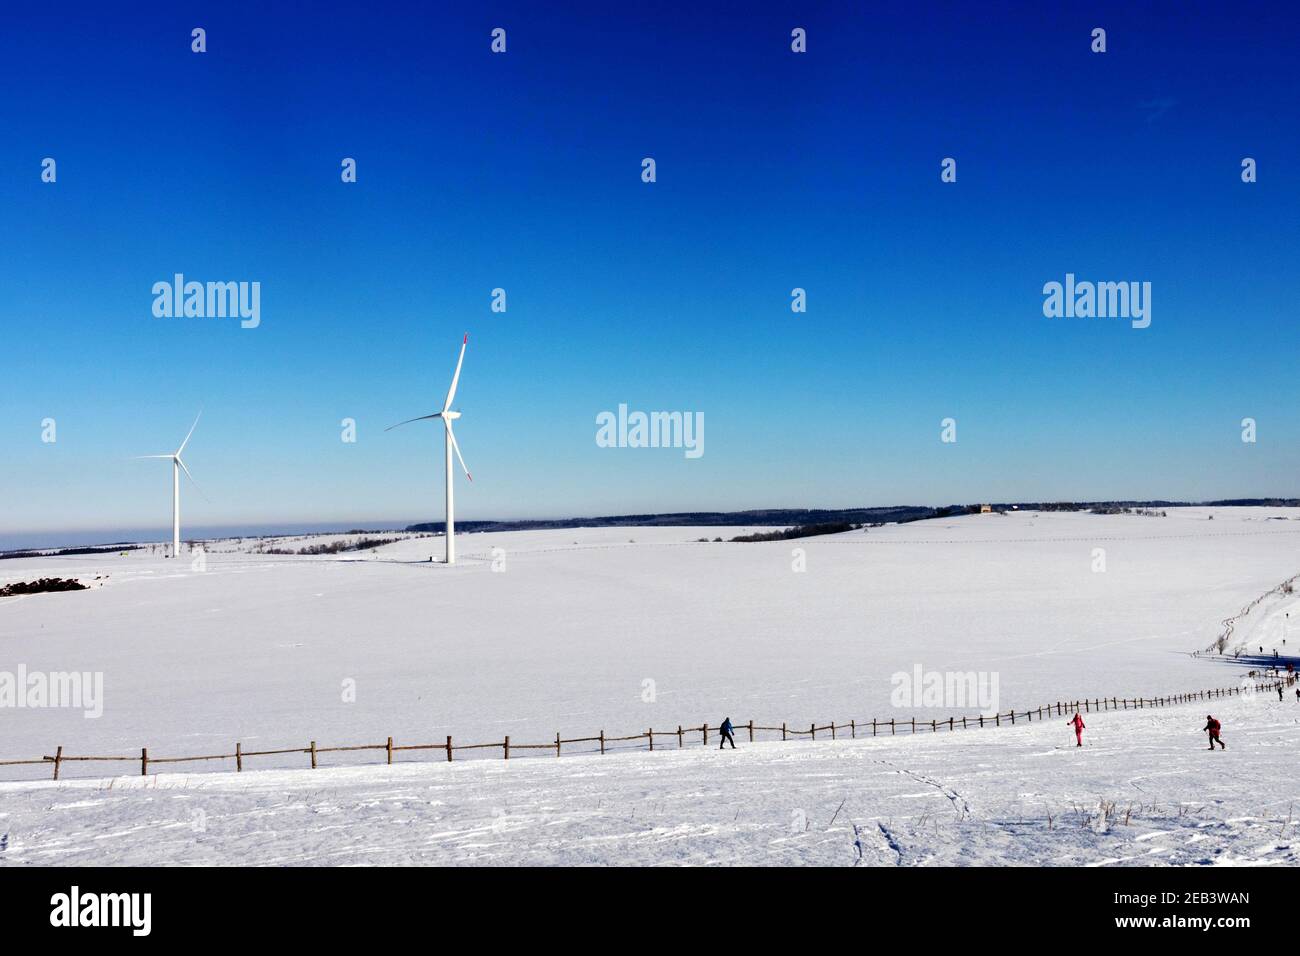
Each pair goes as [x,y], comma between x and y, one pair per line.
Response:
[621,629]
[1142,791]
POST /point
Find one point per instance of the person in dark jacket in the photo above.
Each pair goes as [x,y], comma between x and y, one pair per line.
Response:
[726,729]
[1212,727]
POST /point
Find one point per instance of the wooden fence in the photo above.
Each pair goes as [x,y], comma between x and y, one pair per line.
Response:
[853,728]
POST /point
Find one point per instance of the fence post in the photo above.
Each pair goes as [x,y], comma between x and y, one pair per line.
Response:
[751,731]
[144,761]
[891,726]
[963,721]
[997,720]
[390,750]
[706,734]
[981,721]
[649,733]
[58,759]
[602,741]
[783,730]
[832,730]
[557,743]
[812,729]
[679,734]
[239,757]
[853,729]
[950,723]
[313,755]
[449,748]
[913,725]
[1013,715]
[506,747]
[934,727]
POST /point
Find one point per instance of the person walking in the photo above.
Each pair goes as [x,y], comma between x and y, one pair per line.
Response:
[1077,723]
[1212,727]
[726,729]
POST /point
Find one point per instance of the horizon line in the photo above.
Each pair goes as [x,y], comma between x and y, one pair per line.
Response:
[359,525]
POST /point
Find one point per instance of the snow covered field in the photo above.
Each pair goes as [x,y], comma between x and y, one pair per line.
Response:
[1142,791]
[622,629]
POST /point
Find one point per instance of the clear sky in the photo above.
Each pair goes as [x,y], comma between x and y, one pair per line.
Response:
[522,170]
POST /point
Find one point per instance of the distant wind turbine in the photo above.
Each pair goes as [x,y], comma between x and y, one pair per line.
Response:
[449,443]
[177,467]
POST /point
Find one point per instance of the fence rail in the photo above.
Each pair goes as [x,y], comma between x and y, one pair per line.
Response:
[855,729]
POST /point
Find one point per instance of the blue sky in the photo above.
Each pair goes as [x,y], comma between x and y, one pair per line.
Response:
[522,171]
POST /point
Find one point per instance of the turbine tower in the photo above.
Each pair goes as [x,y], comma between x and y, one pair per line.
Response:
[449,445]
[177,467]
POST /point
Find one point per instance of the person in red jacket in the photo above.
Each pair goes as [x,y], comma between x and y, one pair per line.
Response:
[1212,727]
[1078,725]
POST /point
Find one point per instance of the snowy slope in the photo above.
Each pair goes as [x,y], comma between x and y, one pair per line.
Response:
[624,629]
[1142,791]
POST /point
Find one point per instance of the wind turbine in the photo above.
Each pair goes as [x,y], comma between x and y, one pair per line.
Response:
[177,467]
[449,443]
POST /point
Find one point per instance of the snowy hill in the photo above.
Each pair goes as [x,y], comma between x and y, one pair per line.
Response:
[622,629]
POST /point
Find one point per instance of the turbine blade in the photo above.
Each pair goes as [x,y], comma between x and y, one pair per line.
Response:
[191,432]
[137,457]
[455,379]
[409,420]
[456,448]
[196,485]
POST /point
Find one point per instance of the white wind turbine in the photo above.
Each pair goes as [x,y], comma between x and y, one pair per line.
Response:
[177,467]
[449,443]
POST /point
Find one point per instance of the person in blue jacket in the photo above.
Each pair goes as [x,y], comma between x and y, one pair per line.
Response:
[726,729]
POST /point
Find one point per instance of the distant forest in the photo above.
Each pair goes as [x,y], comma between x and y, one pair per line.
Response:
[802,517]
[65,552]
[801,522]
